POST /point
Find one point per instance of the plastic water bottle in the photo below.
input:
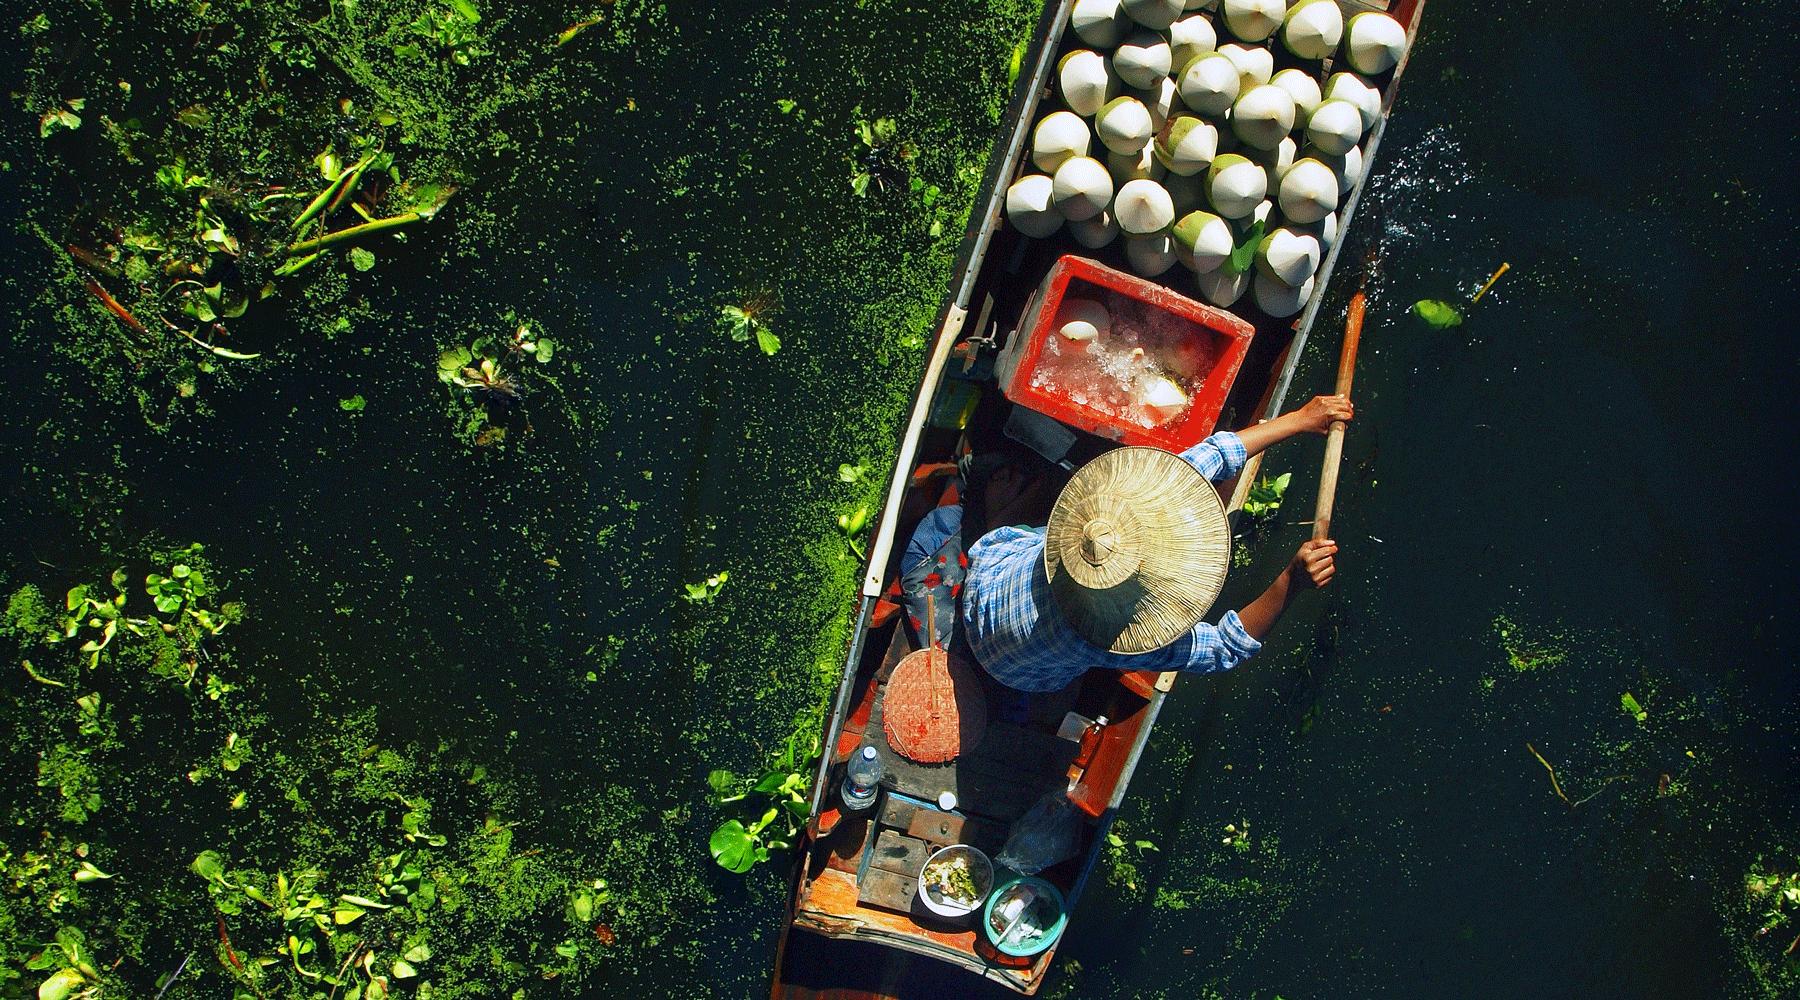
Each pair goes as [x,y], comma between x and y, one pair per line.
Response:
[862,780]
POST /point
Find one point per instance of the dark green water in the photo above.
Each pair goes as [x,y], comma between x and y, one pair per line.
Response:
[1602,455]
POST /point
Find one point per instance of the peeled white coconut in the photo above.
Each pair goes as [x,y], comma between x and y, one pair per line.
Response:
[1141,165]
[1279,300]
[1087,82]
[1313,28]
[1203,241]
[1352,171]
[1373,42]
[1029,206]
[1347,167]
[1275,161]
[1209,83]
[1358,91]
[1141,59]
[1263,212]
[1143,207]
[1255,64]
[1150,255]
[1289,255]
[1081,188]
[1235,185]
[1222,287]
[1327,231]
[1254,20]
[1084,320]
[1154,14]
[1161,101]
[1096,232]
[1263,116]
[1200,4]
[1100,23]
[1300,86]
[1189,37]
[1335,126]
[1162,399]
[1187,145]
[1309,192]
[1124,125]
[1187,193]
[1058,138]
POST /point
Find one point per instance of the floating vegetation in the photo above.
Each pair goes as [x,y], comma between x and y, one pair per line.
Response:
[707,590]
[1123,855]
[1526,649]
[750,321]
[490,379]
[777,799]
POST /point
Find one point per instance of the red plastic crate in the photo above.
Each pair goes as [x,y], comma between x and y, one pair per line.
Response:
[1221,341]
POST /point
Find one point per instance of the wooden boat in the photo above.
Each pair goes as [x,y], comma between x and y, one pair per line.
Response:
[853,928]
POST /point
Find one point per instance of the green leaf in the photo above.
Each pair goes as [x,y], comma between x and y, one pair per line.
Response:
[364,902]
[1632,707]
[1437,314]
[466,10]
[362,258]
[733,847]
[1244,254]
[766,339]
[403,969]
[418,953]
[61,985]
[354,404]
[345,914]
[209,866]
[88,873]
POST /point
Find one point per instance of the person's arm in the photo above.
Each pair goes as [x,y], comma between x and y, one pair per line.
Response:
[1312,566]
[1313,418]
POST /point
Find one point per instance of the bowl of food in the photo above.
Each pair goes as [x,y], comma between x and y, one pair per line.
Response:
[1025,917]
[955,881]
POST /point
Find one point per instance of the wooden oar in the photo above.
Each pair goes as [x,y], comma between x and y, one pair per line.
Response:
[1334,440]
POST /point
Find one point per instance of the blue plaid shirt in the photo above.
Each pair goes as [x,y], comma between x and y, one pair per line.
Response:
[1015,630]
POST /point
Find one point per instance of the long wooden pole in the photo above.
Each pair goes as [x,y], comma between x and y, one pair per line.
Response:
[1334,440]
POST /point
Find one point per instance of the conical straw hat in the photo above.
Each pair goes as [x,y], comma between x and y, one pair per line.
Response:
[1136,550]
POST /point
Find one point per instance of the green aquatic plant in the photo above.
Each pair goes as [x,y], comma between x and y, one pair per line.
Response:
[852,526]
[1123,855]
[778,801]
[1528,650]
[707,590]
[884,160]
[490,379]
[749,320]
[1264,498]
[452,30]
[853,474]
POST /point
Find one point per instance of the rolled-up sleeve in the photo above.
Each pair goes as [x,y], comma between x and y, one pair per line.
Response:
[1219,647]
[1219,457]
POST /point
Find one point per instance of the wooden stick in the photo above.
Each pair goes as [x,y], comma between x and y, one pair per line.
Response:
[1334,440]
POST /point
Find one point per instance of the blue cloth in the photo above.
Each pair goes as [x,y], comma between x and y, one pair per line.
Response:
[1011,622]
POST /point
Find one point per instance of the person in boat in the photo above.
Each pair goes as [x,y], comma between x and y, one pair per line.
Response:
[1135,552]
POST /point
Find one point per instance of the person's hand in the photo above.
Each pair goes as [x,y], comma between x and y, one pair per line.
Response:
[1315,563]
[1318,414]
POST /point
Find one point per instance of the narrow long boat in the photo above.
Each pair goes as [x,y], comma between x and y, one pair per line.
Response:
[853,928]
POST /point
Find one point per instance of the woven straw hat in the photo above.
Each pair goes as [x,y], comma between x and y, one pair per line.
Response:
[1136,550]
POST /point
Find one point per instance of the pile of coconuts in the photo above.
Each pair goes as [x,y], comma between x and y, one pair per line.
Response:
[1176,133]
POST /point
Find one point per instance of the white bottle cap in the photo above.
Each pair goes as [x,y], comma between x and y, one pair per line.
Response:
[868,752]
[947,801]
